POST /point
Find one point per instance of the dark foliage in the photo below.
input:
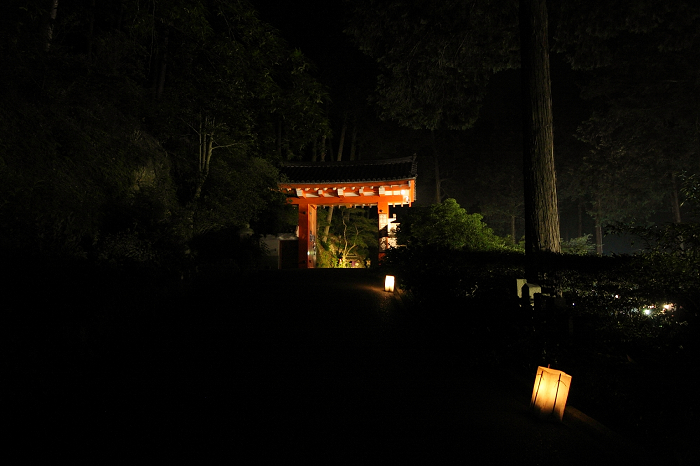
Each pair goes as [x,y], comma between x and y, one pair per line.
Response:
[106,108]
[629,355]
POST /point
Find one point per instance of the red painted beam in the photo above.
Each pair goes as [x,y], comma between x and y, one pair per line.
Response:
[350,200]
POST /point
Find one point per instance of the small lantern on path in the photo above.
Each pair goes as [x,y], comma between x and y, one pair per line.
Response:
[389,283]
[549,393]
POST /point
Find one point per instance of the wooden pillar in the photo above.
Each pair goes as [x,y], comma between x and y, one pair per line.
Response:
[307,236]
[383,211]
[311,256]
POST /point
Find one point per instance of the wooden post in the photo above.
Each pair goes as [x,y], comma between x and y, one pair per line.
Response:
[307,236]
[383,211]
[311,248]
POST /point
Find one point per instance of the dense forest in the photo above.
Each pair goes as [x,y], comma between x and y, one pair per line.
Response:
[624,96]
[134,130]
[150,131]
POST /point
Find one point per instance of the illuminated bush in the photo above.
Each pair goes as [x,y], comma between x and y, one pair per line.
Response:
[447,225]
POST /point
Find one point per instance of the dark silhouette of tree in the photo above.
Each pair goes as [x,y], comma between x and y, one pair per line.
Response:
[437,60]
[644,92]
[144,125]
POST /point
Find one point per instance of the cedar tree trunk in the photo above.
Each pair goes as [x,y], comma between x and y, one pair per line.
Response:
[541,212]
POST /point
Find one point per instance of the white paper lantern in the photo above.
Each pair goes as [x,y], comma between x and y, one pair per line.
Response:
[550,392]
[389,283]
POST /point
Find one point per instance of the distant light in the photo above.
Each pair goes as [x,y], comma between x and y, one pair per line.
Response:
[647,312]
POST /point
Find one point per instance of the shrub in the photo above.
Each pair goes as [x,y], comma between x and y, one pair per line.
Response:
[447,225]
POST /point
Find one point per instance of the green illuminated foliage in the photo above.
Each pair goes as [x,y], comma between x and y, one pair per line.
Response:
[352,235]
[449,226]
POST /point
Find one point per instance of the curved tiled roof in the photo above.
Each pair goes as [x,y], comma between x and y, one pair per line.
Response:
[350,172]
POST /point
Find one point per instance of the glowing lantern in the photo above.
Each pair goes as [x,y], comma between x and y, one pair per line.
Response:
[550,392]
[389,283]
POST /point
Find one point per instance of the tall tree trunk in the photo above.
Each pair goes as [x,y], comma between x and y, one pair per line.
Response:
[162,65]
[278,139]
[329,218]
[49,26]
[438,181]
[598,238]
[205,149]
[331,157]
[580,219]
[541,211]
[438,184]
[91,30]
[341,144]
[598,229]
[512,229]
[323,148]
[353,141]
[675,200]
[120,15]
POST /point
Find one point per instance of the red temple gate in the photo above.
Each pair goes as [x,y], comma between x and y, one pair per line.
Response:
[381,183]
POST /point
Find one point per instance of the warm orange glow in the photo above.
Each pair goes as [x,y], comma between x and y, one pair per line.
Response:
[394,192]
[389,283]
[550,392]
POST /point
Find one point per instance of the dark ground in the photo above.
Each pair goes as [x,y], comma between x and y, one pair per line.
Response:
[317,365]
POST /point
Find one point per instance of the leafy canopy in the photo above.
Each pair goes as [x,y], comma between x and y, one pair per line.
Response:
[351,234]
[640,58]
[103,132]
[447,225]
[436,58]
